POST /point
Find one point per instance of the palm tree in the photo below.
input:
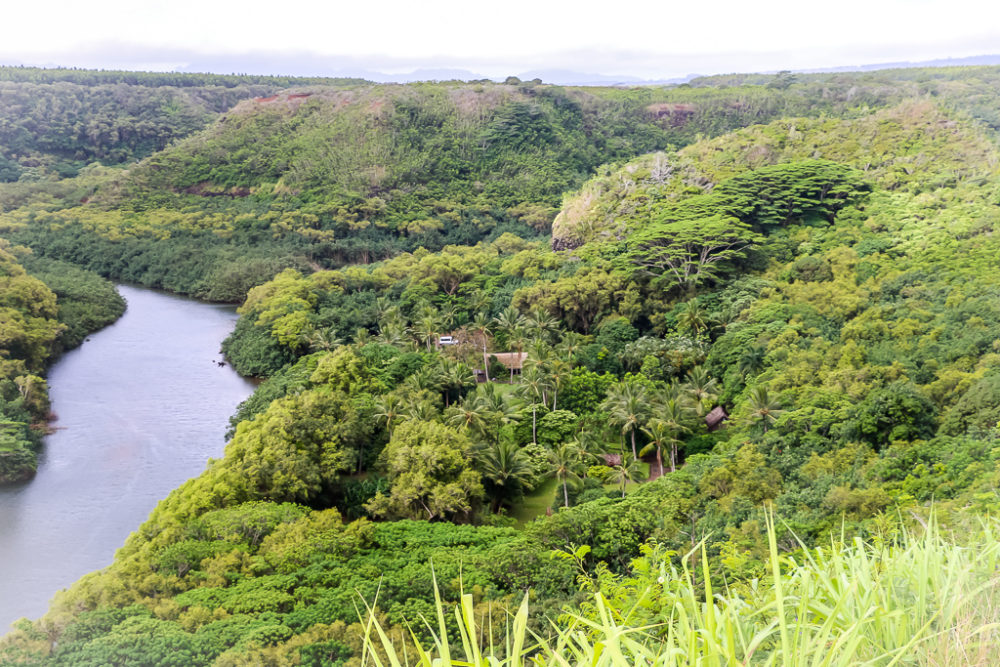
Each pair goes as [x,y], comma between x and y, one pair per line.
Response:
[533,390]
[541,325]
[466,415]
[453,376]
[507,471]
[571,344]
[322,339]
[388,410]
[428,326]
[693,318]
[559,372]
[494,407]
[764,410]
[482,326]
[424,411]
[628,406]
[508,322]
[393,331]
[517,339]
[751,361]
[701,387]
[425,377]
[664,431]
[567,465]
[362,336]
[384,307]
[625,472]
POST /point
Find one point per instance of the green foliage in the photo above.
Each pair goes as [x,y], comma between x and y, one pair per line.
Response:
[427,466]
[825,284]
[897,412]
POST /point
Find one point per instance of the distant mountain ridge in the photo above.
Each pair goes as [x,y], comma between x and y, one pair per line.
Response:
[315,65]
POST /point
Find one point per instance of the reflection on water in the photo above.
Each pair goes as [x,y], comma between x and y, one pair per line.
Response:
[141,407]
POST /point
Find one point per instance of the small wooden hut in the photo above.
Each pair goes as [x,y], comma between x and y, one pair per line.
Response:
[714,419]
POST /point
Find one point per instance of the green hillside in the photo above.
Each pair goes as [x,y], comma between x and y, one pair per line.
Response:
[54,122]
[325,175]
[819,273]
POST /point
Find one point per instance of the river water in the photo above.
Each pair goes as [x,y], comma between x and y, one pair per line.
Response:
[142,405]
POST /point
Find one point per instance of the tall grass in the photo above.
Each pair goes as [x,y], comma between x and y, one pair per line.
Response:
[922,600]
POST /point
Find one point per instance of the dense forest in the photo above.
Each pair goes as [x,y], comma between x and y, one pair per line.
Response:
[620,373]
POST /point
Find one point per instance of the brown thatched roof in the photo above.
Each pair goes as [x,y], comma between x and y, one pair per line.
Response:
[512,360]
[714,419]
[612,459]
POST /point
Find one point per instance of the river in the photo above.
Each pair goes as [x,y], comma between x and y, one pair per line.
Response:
[141,406]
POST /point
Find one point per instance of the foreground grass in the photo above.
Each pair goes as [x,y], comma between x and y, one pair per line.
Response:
[922,600]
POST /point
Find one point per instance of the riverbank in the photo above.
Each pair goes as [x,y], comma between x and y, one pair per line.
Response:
[68,304]
[142,405]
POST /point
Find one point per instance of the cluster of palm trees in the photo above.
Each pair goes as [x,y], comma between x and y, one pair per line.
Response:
[663,414]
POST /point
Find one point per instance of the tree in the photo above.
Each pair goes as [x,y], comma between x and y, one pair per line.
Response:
[482,326]
[689,252]
[764,409]
[533,385]
[511,324]
[389,409]
[701,387]
[567,466]
[506,470]
[751,361]
[628,406]
[454,378]
[692,318]
[625,472]
[664,431]
[428,468]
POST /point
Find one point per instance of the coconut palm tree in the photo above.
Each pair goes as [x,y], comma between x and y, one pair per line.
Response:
[541,325]
[567,466]
[517,339]
[764,409]
[482,326]
[751,362]
[509,321]
[625,472]
[494,406]
[628,405]
[693,318]
[322,339]
[665,431]
[558,373]
[454,376]
[702,388]
[506,470]
[533,385]
[424,378]
[428,325]
[466,414]
[389,408]
[571,343]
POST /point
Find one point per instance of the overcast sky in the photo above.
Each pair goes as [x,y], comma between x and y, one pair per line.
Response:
[641,38]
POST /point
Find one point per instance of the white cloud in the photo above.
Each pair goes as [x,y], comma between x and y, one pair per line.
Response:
[517,34]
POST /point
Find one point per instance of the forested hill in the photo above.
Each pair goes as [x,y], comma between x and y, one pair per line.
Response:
[321,176]
[801,314]
[55,121]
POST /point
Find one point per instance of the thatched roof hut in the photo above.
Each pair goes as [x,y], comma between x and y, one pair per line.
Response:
[511,360]
[714,419]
